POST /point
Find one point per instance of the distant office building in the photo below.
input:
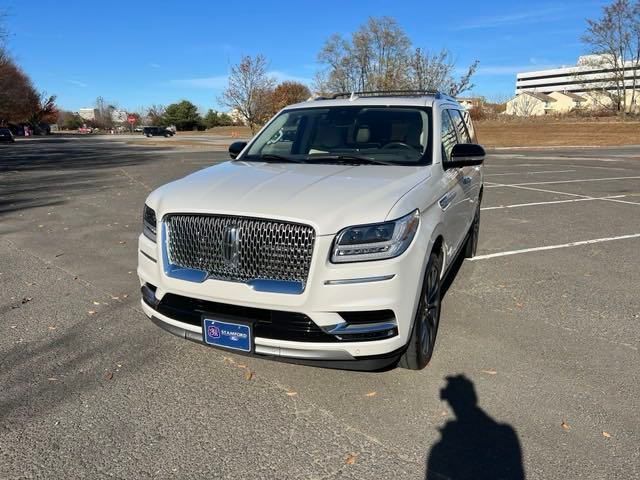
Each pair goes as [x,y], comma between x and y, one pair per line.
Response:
[237,117]
[592,73]
[588,85]
[88,113]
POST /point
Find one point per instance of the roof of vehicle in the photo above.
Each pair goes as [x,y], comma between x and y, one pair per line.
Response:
[404,98]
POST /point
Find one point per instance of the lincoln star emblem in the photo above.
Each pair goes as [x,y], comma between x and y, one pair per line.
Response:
[230,246]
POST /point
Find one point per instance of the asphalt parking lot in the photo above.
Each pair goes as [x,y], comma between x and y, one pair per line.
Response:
[537,350]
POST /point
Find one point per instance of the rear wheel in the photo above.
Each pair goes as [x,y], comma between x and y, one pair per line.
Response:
[474,233]
[425,325]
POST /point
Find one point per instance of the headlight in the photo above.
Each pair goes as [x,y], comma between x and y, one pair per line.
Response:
[149,223]
[376,241]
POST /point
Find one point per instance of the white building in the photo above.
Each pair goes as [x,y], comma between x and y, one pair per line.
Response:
[237,117]
[593,78]
[118,116]
[88,113]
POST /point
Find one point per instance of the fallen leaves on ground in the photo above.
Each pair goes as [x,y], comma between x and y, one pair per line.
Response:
[371,394]
[351,458]
[108,375]
[292,394]
[26,300]
[489,372]
[52,327]
[248,374]
[565,425]
[606,434]
[91,312]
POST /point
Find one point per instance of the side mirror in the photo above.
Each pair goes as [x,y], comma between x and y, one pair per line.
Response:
[235,148]
[465,155]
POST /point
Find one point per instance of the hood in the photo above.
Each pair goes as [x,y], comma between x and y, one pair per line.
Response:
[328,197]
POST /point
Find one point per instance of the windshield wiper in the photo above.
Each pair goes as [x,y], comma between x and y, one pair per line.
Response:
[350,159]
[271,157]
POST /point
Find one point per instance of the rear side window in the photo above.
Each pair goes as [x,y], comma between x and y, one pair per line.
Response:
[448,136]
[463,133]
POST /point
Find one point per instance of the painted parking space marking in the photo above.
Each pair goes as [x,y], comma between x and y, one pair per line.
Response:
[527,173]
[533,204]
[604,199]
[565,181]
[553,247]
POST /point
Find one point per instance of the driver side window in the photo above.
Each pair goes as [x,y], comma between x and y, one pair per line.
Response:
[448,136]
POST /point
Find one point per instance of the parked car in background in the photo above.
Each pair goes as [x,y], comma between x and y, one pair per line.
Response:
[327,237]
[6,135]
[157,132]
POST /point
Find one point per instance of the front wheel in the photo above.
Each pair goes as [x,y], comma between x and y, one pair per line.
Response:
[425,325]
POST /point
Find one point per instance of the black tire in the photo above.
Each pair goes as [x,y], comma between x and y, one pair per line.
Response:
[427,318]
[471,246]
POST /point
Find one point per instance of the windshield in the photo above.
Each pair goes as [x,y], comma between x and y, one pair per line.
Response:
[354,134]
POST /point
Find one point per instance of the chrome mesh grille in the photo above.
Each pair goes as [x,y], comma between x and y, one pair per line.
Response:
[266,249]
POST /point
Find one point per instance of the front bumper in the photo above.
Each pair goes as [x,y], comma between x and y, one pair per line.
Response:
[318,358]
[331,290]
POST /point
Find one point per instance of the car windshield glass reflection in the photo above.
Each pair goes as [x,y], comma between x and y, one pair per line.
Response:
[358,135]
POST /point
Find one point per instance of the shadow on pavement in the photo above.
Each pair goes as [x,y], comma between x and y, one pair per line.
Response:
[45,172]
[473,446]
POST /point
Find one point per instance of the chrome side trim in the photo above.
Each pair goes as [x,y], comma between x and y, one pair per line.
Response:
[276,286]
[149,256]
[349,281]
[347,329]
[446,199]
[304,354]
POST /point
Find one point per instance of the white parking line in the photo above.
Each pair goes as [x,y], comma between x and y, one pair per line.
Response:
[605,199]
[551,202]
[553,247]
[565,181]
[527,173]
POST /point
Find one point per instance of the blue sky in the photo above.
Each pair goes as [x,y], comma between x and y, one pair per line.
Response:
[137,53]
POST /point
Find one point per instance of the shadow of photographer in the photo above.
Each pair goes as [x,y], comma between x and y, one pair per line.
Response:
[473,446]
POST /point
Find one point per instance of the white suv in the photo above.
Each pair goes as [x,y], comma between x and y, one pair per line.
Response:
[325,240]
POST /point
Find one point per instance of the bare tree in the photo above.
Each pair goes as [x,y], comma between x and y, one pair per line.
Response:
[436,72]
[379,56]
[614,39]
[155,114]
[249,90]
[372,59]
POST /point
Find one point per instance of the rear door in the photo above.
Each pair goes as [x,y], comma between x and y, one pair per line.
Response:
[453,202]
[470,177]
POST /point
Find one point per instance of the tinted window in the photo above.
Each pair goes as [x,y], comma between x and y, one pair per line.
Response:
[463,134]
[389,134]
[448,134]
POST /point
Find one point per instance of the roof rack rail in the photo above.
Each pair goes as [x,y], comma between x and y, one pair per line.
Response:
[385,93]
